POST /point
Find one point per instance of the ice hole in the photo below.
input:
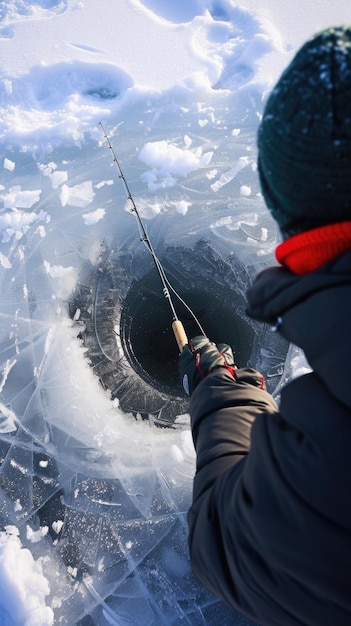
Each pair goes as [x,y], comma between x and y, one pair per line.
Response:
[146,327]
[125,323]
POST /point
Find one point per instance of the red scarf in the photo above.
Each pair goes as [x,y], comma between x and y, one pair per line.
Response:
[307,251]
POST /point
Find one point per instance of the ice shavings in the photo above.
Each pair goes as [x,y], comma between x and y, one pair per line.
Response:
[65,277]
[9,165]
[7,367]
[47,168]
[211,174]
[150,208]
[16,198]
[104,182]
[230,174]
[36,535]
[232,223]
[93,217]
[78,196]
[8,419]
[168,162]
[23,584]
[4,261]
[57,271]
[21,468]
[57,526]
[245,190]
[15,223]
[56,176]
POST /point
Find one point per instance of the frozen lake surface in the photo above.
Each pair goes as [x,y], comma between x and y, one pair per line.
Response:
[96,453]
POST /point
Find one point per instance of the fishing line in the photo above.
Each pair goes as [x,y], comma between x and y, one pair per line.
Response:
[177,325]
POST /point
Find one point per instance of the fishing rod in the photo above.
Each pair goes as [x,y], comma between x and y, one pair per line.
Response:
[177,326]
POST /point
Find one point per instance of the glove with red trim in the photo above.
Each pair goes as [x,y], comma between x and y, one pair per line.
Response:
[200,357]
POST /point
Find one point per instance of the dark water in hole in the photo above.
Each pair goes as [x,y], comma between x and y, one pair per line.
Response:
[152,347]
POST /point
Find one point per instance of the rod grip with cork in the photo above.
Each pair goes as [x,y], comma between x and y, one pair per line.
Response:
[179,334]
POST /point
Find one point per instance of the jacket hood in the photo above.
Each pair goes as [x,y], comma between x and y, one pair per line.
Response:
[277,289]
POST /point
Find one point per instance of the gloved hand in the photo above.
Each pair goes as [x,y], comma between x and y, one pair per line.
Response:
[200,357]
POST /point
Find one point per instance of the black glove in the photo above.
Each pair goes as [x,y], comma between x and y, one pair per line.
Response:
[200,357]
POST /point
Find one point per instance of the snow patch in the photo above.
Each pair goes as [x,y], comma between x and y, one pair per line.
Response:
[22,596]
[182,207]
[168,161]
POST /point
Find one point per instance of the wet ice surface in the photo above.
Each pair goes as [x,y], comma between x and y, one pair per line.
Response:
[98,494]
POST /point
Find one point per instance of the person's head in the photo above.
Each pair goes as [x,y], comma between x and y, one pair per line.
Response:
[304,139]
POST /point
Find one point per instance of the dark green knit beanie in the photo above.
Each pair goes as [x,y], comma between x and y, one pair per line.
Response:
[304,139]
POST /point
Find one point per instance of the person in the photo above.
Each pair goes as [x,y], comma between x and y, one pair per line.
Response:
[270,521]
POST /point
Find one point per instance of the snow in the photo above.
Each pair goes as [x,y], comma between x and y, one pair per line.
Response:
[24,587]
[93,500]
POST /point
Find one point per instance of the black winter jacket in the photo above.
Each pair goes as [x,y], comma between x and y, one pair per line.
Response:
[270,529]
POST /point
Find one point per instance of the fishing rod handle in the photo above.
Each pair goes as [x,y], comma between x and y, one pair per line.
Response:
[179,334]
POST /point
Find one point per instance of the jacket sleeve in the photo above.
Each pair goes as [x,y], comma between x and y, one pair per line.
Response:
[222,410]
